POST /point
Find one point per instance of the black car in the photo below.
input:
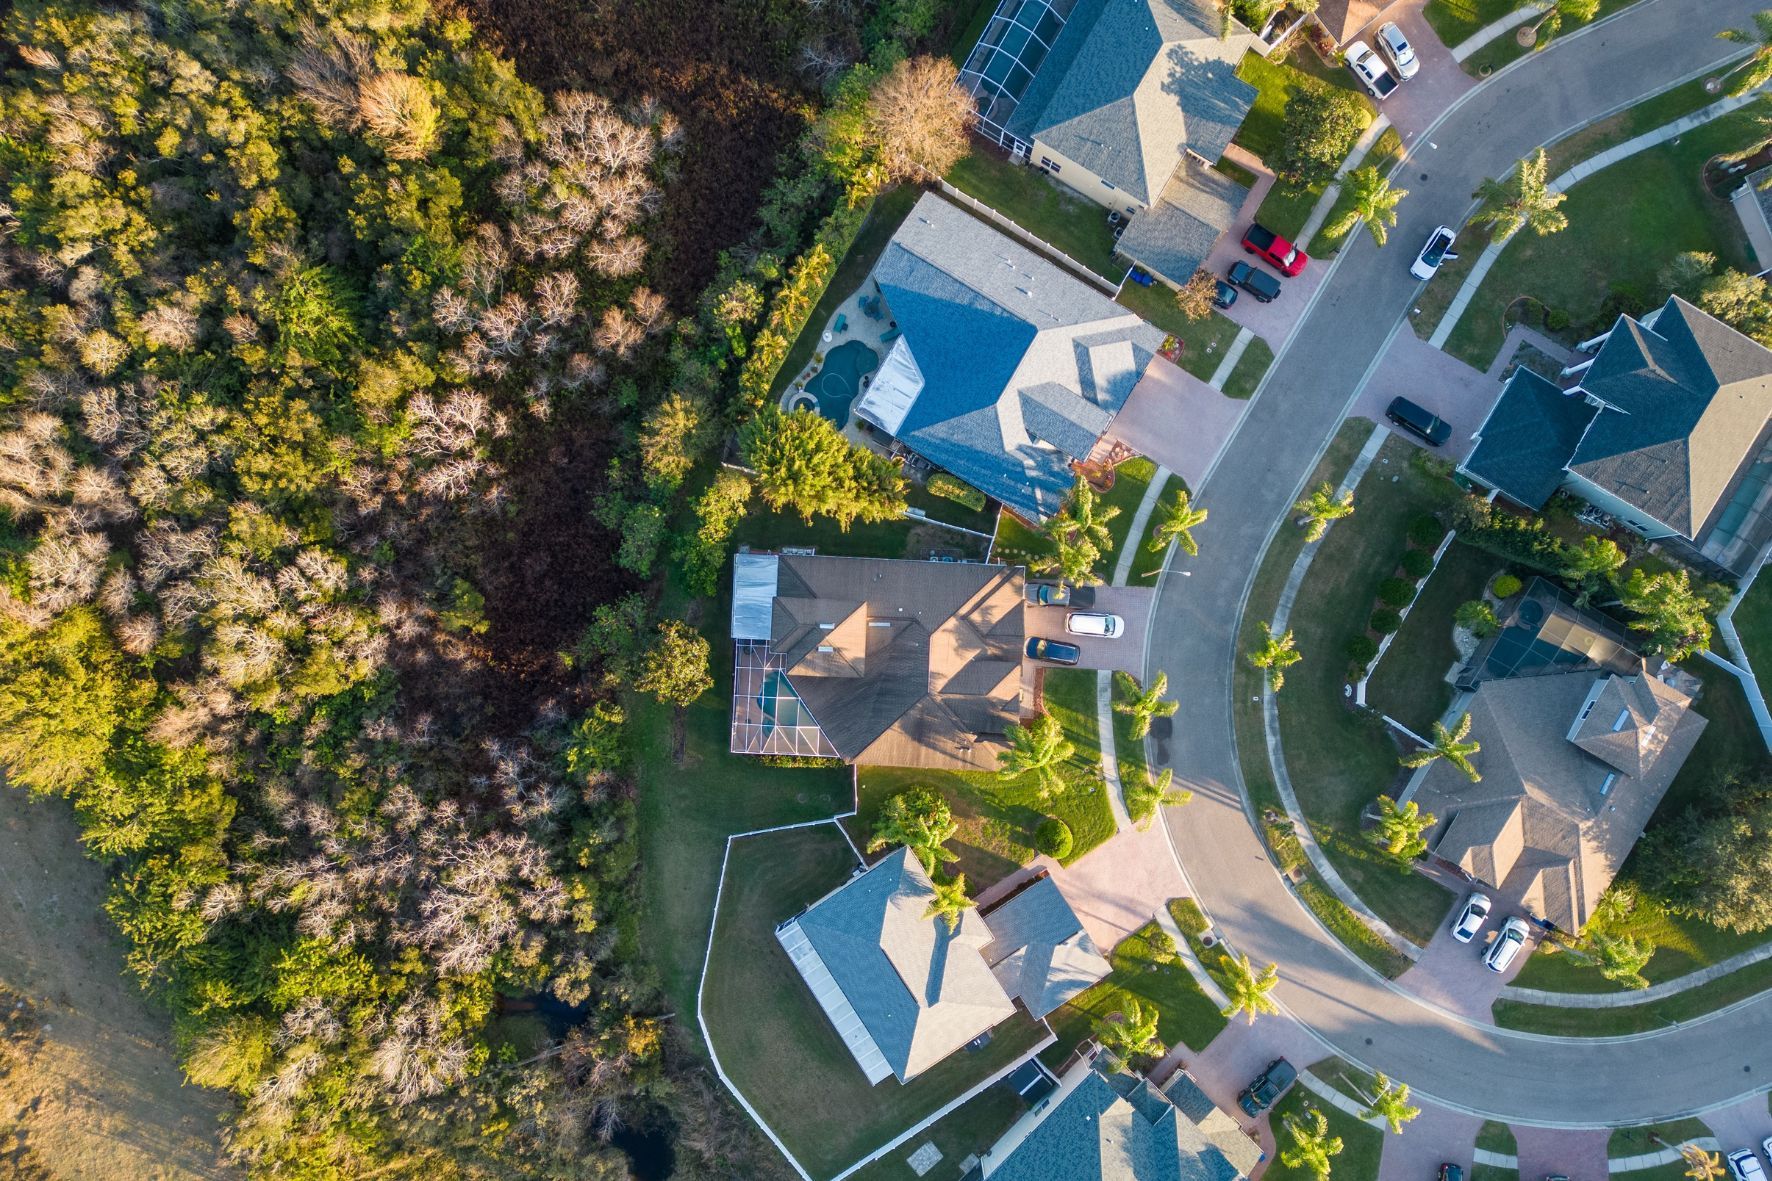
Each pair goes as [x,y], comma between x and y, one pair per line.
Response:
[1451,1172]
[1257,282]
[1053,651]
[1050,594]
[1223,295]
[1260,1095]
[1423,424]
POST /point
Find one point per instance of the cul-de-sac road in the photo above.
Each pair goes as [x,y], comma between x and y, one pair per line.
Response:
[1517,1077]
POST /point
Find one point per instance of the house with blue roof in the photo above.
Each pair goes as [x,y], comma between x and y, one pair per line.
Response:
[1007,369]
[1127,102]
[1667,428]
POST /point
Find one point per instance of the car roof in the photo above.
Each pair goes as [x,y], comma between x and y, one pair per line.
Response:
[1391,32]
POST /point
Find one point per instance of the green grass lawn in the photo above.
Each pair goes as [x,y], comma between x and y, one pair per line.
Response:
[1497,1138]
[1492,1173]
[1286,207]
[1203,342]
[1753,622]
[1147,566]
[1340,760]
[1454,21]
[997,818]
[902,538]
[1506,48]
[1361,1143]
[959,1134]
[1682,1006]
[1682,944]
[1641,1140]
[776,1043]
[1410,684]
[1382,155]
[1186,1016]
[1625,223]
[1041,206]
[1250,368]
[1018,543]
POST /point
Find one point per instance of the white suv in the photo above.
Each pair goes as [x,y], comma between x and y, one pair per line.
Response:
[1395,46]
[1094,623]
[1746,1166]
[1506,948]
[1471,918]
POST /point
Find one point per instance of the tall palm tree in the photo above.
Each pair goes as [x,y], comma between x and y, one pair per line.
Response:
[1276,655]
[1176,520]
[1523,200]
[1577,11]
[1321,507]
[949,901]
[1701,1165]
[1390,1103]
[1757,69]
[922,822]
[1084,517]
[1312,1145]
[1623,958]
[1374,202]
[1451,746]
[1400,829]
[1145,795]
[1143,705]
[1072,559]
[1130,1032]
[1248,989]
[1038,748]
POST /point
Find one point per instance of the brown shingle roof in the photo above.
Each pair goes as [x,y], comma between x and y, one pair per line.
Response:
[1344,18]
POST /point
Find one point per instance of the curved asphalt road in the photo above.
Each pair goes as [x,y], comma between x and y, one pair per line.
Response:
[1518,1077]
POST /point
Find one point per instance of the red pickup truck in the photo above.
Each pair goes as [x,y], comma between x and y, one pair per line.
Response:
[1290,260]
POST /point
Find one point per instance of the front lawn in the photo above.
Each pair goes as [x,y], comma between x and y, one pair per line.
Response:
[1455,21]
[1016,542]
[1682,945]
[1506,48]
[1203,342]
[1625,223]
[1383,156]
[998,817]
[1245,376]
[1682,1006]
[1147,566]
[1654,1137]
[1286,207]
[1753,622]
[1044,208]
[1185,1015]
[1410,682]
[1361,1143]
[777,1045]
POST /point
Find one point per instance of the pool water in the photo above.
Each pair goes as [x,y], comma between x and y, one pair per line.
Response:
[835,385]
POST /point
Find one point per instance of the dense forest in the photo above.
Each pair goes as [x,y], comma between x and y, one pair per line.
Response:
[352,384]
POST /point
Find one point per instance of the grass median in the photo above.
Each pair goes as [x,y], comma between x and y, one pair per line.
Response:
[1682,1006]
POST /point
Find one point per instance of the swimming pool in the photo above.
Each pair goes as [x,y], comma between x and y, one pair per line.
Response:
[837,382]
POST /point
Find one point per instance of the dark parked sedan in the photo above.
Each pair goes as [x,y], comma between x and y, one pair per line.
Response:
[1224,295]
[1053,651]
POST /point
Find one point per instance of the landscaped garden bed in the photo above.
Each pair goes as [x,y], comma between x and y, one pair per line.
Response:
[1153,975]
[1017,542]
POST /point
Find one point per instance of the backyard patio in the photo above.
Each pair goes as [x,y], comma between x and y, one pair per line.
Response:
[851,345]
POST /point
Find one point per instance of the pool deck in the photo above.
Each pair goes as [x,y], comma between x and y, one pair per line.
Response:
[857,326]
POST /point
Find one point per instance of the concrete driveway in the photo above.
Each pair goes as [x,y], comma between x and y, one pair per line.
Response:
[1178,420]
[1741,1125]
[1436,86]
[1437,1136]
[1428,377]
[1579,1156]
[1451,974]
[1125,652]
[1271,321]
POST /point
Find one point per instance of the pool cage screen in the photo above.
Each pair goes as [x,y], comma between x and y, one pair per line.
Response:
[1002,65]
[768,717]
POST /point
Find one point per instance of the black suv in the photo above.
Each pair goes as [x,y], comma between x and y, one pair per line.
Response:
[1257,282]
[1054,651]
[1424,425]
[1259,1095]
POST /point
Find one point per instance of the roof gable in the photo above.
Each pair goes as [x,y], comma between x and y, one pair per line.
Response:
[1039,951]
[1528,439]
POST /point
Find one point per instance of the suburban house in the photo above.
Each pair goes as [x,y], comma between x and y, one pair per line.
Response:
[1575,757]
[904,991]
[1103,1124]
[1127,102]
[876,660]
[1665,428]
[1006,369]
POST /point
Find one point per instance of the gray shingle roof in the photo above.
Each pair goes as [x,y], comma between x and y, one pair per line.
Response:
[1023,365]
[1131,84]
[1174,236]
[1039,951]
[1528,438]
[921,990]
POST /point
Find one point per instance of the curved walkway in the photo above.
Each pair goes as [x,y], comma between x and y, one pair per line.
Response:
[1364,301]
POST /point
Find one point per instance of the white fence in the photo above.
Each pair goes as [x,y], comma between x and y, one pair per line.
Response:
[983,210]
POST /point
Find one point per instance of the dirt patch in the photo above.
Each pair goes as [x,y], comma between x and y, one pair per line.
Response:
[101,1095]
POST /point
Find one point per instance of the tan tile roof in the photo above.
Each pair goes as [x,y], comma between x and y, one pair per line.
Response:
[1344,18]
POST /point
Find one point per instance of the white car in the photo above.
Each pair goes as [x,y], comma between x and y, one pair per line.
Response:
[1437,251]
[1746,1166]
[1395,46]
[1506,948]
[1368,67]
[1094,623]
[1471,918]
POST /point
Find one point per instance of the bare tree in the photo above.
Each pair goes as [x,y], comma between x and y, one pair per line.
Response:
[919,115]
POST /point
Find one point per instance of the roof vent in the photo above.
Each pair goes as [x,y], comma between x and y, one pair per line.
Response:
[826,648]
[825,627]
[1623,717]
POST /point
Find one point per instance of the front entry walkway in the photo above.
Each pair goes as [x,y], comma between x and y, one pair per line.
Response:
[1177,420]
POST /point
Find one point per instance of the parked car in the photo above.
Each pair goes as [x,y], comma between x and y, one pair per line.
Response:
[1397,50]
[1368,67]
[1746,1166]
[1060,594]
[1268,1086]
[1257,282]
[1766,1147]
[1287,258]
[1507,945]
[1053,651]
[1451,1172]
[1094,623]
[1471,919]
[1223,295]
[1438,250]
[1430,428]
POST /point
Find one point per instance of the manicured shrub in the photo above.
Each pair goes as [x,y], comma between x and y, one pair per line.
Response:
[1396,592]
[1505,585]
[1053,838]
[1361,650]
[957,490]
[1478,617]
[1418,563]
[1384,621]
[1426,531]
[1556,319]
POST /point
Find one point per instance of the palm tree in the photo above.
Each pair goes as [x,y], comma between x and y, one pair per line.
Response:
[1757,69]
[1145,795]
[1522,200]
[1312,1145]
[1374,202]
[949,901]
[1084,517]
[1451,746]
[1578,11]
[1131,1032]
[1276,655]
[1175,522]
[1701,1165]
[1143,705]
[1071,559]
[919,820]
[1248,989]
[1391,1104]
[1038,749]
[1623,958]
[1400,829]
[1322,507]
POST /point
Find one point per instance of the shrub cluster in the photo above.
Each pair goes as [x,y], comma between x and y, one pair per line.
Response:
[1053,838]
